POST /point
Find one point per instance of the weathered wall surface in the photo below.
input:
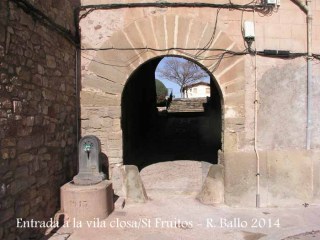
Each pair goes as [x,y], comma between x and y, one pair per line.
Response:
[281,82]
[37,115]
[282,112]
[287,178]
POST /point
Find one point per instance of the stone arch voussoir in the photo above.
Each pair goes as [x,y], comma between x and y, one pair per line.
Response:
[179,35]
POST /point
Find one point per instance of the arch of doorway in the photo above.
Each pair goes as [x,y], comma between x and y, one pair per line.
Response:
[146,39]
[150,137]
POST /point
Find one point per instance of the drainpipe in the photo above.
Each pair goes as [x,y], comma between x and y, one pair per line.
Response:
[307,9]
[77,62]
[256,106]
[301,5]
[309,80]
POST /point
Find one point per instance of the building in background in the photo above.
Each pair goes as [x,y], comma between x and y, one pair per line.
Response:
[197,90]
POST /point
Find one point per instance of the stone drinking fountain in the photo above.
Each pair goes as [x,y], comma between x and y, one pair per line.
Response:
[90,195]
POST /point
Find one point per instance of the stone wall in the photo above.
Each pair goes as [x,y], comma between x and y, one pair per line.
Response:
[37,114]
[281,82]
[105,72]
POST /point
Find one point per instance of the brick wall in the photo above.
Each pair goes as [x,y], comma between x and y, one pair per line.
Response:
[37,114]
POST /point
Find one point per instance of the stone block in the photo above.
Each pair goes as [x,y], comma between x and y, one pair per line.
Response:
[236,71]
[212,191]
[5,154]
[28,121]
[133,185]
[21,172]
[114,144]
[101,84]
[145,26]
[196,30]
[41,69]
[6,214]
[7,176]
[96,99]
[237,85]
[108,72]
[8,142]
[26,19]
[230,141]
[159,31]
[114,112]
[7,203]
[25,158]
[29,142]
[136,39]
[87,203]
[171,25]
[22,211]
[115,160]
[23,131]
[51,61]
[48,95]
[183,27]
[235,99]
[117,178]
[21,184]
[240,179]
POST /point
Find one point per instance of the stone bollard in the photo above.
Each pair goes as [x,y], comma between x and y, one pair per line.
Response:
[212,191]
[133,185]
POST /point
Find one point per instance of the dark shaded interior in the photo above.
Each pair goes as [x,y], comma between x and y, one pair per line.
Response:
[150,136]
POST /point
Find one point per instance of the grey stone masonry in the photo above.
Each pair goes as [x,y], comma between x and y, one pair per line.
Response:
[89,163]
[38,118]
[187,105]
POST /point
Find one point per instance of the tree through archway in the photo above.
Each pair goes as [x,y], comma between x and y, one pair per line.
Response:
[151,136]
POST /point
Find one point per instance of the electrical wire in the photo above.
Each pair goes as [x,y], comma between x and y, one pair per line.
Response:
[219,57]
[231,6]
[38,15]
[252,6]
[208,44]
[172,5]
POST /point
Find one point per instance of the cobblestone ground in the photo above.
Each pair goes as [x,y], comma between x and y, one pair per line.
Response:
[305,236]
[173,213]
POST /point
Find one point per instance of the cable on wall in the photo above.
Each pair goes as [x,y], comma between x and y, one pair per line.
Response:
[38,15]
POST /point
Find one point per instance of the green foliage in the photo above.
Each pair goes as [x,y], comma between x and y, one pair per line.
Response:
[161,91]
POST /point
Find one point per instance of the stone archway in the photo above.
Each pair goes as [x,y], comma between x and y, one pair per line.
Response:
[141,41]
[189,130]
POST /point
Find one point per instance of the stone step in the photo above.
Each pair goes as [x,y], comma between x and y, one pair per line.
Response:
[172,178]
[188,105]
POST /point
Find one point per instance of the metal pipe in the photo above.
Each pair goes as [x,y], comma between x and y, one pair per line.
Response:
[300,3]
[77,62]
[256,106]
[309,77]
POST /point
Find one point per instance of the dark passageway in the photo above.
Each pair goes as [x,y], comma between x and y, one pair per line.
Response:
[151,136]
